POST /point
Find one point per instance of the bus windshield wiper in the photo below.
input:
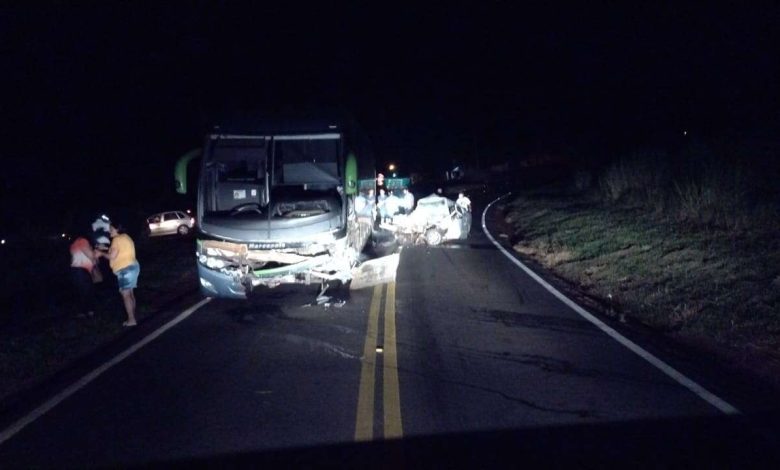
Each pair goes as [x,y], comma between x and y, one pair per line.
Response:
[254,206]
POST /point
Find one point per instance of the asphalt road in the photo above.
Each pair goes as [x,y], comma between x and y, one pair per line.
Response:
[463,348]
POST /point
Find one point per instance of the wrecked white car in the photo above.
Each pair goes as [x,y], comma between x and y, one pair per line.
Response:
[435,220]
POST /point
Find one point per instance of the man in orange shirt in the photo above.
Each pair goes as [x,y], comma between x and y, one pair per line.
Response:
[82,262]
[121,258]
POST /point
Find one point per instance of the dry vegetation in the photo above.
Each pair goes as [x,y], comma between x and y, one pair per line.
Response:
[686,242]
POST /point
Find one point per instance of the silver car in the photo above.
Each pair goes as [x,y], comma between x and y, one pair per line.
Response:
[170,223]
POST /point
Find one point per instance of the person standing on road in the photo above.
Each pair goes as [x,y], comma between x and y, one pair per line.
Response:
[82,262]
[381,205]
[100,235]
[361,204]
[408,201]
[371,197]
[392,205]
[463,203]
[121,258]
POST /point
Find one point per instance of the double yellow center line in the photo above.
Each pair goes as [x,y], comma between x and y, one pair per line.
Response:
[372,351]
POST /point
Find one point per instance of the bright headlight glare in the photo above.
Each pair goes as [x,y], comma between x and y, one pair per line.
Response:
[213,263]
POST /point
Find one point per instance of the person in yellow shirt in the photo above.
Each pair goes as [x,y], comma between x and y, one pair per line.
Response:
[121,258]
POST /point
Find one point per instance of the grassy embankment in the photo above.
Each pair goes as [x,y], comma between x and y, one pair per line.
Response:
[686,243]
[40,333]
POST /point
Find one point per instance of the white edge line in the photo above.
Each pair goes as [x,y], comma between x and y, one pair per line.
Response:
[677,376]
[82,382]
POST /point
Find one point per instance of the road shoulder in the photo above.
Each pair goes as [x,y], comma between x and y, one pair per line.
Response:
[718,369]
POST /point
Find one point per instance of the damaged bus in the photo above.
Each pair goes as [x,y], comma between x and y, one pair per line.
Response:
[276,205]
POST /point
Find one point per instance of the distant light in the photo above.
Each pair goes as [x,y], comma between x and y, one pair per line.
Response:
[685,132]
[189,212]
[2,242]
[332,126]
[379,349]
[391,166]
[394,175]
[63,235]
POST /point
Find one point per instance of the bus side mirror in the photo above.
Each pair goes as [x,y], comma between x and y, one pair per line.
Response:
[180,172]
[351,174]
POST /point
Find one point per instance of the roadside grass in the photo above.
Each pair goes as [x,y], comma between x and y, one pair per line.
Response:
[41,335]
[26,357]
[711,282]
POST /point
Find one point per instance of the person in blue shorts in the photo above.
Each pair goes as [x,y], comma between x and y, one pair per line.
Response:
[121,258]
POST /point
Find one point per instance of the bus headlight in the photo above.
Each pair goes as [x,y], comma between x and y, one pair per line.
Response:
[211,262]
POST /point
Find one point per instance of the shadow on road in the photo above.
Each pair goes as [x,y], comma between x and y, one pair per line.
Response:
[723,442]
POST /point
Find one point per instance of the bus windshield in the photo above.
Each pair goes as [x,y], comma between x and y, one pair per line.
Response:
[310,159]
[242,171]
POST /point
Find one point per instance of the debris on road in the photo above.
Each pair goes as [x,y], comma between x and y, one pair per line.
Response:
[374,272]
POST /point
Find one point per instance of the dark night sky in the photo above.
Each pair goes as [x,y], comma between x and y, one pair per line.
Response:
[110,93]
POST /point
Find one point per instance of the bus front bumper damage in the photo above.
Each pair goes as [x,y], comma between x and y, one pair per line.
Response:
[237,283]
[230,270]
